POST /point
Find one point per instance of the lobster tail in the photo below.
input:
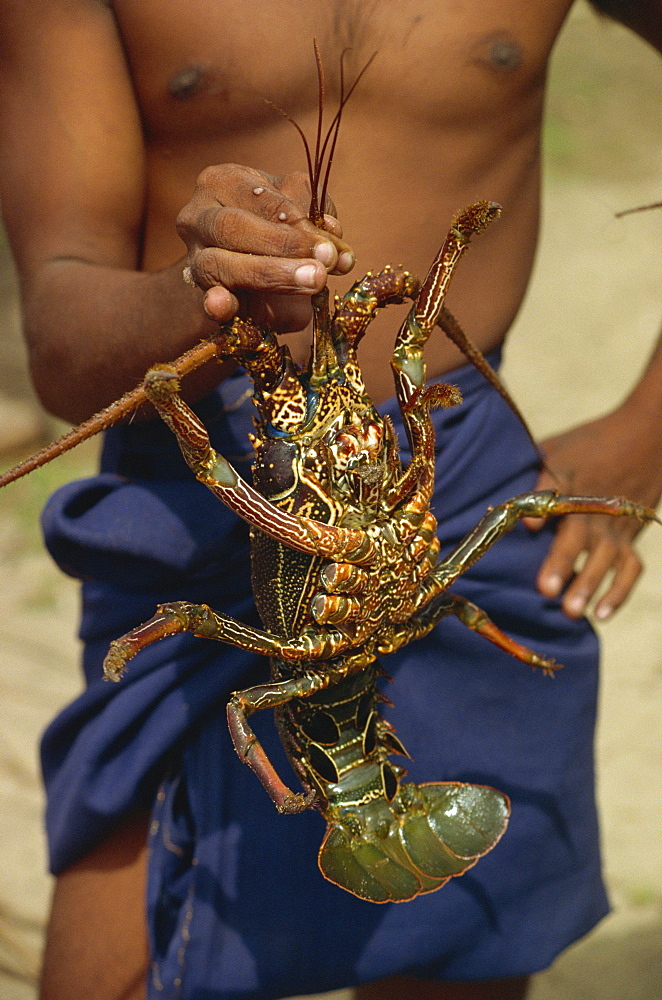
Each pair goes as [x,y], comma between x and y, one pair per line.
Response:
[393,851]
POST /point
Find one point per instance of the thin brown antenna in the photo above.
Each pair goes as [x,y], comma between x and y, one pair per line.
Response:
[108,417]
[639,208]
[334,128]
[315,163]
[316,211]
[291,120]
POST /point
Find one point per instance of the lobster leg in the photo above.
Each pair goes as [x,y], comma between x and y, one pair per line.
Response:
[474,618]
[204,622]
[478,621]
[200,620]
[502,519]
[242,704]
[407,362]
[357,308]
[301,533]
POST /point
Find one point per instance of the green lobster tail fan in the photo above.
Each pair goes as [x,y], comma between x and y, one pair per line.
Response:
[394,851]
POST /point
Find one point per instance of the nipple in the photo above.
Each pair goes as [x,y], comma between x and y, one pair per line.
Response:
[186,82]
[505,54]
[499,51]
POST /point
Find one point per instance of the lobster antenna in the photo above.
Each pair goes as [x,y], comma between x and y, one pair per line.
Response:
[291,120]
[639,208]
[315,211]
[334,128]
[123,407]
[315,164]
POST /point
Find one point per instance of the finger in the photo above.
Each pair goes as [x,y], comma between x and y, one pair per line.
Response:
[346,257]
[628,570]
[297,187]
[281,313]
[545,482]
[569,541]
[287,200]
[240,231]
[236,186]
[211,267]
[220,304]
[600,560]
[332,225]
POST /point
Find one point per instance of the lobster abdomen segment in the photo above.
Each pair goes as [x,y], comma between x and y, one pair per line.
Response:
[393,851]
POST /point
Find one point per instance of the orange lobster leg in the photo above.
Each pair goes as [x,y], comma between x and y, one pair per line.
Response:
[202,621]
[249,749]
[301,533]
[502,519]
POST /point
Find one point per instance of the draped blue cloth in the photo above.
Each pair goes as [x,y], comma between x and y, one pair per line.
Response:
[236,905]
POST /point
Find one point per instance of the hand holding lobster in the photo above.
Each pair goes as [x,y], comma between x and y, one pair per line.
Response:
[253,249]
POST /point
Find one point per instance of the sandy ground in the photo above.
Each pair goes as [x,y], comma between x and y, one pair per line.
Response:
[589,321]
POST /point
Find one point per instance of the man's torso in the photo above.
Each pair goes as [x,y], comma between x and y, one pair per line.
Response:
[448,113]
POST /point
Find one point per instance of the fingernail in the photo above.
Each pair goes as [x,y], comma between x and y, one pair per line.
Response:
[325,253]
[332,225]
[346,261]
[603,611]
[219,304]
[209,304]
[306,276]
[551,584]
[575,605]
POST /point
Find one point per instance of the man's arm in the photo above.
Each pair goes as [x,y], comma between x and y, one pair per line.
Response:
[616,454]
[72,175]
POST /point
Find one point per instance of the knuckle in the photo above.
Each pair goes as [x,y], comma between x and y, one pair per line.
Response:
[210,177]
[295,183]
[296,187]
[280,208]
[634,563]
[184,224]
[219,228]
[221,180]
[293,243]
[206,267]
[607,549]
[263,274]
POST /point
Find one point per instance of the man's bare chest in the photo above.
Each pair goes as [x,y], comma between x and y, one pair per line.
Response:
[204,67]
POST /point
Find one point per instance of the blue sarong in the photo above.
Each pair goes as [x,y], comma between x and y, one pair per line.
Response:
[236,905]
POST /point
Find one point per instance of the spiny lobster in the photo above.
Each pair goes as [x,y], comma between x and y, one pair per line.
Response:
[345,569]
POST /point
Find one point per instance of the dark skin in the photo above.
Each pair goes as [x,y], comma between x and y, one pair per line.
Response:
[112,112]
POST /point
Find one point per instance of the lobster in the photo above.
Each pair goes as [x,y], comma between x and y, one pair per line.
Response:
[345,567]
